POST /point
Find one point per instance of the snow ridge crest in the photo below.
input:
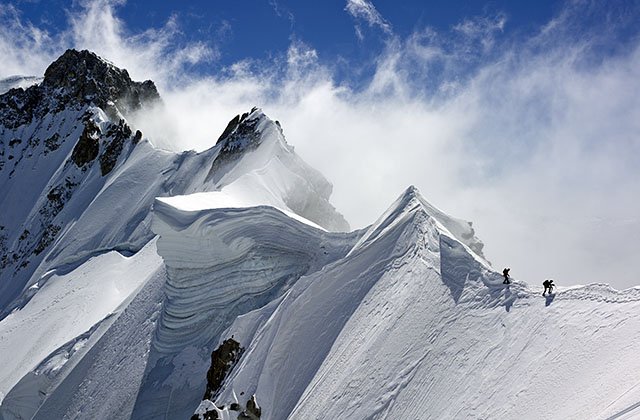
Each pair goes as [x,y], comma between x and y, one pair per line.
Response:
[410,202]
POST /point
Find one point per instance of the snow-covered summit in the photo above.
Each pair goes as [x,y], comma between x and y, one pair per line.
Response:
[66,147]
[410,202]
[252,164]
[59,142]
[134,280]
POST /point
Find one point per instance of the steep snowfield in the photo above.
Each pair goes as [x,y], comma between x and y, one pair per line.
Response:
[412,323]
[68,306]
[101,382]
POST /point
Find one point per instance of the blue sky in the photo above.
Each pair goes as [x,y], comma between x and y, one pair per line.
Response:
[522,117]
[347,36]
[264,29]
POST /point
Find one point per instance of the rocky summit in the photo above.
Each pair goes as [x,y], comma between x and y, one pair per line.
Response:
[75,79]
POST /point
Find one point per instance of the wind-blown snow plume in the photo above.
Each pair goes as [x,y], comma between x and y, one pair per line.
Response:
[366,11]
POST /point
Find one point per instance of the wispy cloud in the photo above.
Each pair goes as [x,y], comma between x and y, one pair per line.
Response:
[482,30]
[94,25]
[282,11]
[18,42]
[534,139]
[363,10]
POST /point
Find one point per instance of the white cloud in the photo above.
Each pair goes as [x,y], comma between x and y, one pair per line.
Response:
[366,11]
[481,30]
[533,140]
[154,53]
[24,48]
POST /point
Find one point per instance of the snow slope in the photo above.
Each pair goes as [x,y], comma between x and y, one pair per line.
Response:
[67,306]
[413,323]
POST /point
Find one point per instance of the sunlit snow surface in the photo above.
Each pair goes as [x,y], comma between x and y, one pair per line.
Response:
[68,306]
[57,344]
[404,319]
[412,323]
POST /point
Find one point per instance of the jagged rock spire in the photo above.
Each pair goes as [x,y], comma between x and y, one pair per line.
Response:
[86,77]
[76,79]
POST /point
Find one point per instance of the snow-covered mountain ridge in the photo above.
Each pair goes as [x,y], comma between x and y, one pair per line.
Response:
[413,323]
[14,82]
[57,146]
[77,188]
[228,275]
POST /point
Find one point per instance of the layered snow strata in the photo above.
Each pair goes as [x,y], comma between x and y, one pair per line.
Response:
[227,261]
[221,263]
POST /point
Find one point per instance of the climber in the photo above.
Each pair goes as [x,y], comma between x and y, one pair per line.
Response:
[505,273]
[548,284]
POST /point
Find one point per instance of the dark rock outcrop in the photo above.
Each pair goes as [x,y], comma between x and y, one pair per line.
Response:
[117,134]
[88,146]
[52,143]
[76,79]
[223,359]
[240,136]
[84,77]
[252,411]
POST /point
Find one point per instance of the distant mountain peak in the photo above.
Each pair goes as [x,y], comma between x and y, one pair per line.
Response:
[85,76]
[74,80]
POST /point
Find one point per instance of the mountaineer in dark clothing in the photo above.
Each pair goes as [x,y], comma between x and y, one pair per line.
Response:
[548,284]
[505,273]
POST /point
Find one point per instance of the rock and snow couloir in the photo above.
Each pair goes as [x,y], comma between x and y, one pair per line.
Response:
[402,319]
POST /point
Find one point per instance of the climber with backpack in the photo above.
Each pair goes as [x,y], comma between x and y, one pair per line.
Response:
[505,273]
[548,284]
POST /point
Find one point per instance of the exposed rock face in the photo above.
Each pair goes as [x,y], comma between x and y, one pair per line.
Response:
[88,147]
[240,135]
[253,410]
[209,411]
[223,359]
[61,128]
[76,79]
[117,135]
[83,76]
